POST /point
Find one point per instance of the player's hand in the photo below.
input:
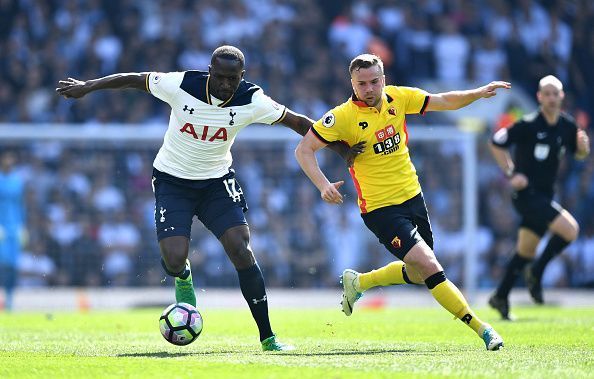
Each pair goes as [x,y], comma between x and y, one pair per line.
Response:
[72,88]
[354,152]
[518,181]
[330,193]
[490,89]
[583,143]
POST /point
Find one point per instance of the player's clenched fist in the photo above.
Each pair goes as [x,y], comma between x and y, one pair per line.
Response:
[583,142]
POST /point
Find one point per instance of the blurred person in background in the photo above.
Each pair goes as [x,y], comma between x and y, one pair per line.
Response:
[540,140]
[389,194]
[12,225]
[192,173]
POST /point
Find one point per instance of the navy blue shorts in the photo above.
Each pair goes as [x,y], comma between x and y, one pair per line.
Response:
[400,227]
[537,210]
[218,203]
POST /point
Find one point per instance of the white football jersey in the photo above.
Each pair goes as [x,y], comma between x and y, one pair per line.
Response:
[197,144]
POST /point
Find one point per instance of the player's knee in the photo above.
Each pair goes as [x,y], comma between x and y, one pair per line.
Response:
[431,266]
[424,264]
[570,232]
[573,232]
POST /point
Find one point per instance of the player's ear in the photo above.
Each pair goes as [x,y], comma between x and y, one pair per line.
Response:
[242,73]
[209,68]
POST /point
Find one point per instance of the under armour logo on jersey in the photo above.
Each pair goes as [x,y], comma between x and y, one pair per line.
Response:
[232,114]
[191,110]
[392,111]
[363,124]
[162,211]
[256,301]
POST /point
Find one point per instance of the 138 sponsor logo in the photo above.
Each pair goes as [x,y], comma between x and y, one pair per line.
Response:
[389,140]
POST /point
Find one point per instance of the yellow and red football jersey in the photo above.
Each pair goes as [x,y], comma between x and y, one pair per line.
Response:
[384,174]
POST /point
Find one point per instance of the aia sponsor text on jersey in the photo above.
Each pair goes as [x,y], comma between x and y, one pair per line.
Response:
[204,132]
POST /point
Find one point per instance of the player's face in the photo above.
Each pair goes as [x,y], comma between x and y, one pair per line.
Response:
[550,98]
[368,85]
[225,76]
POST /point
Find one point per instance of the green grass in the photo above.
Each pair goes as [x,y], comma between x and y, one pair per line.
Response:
[547,342]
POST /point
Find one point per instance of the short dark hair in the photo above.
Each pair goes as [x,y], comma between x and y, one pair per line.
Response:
[365,61]
[228,52]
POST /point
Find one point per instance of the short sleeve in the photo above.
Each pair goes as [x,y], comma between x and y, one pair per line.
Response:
[506,137]
[164,85]
[266,110]
[331,127]
[417,100]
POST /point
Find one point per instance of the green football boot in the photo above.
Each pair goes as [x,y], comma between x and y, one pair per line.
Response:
[184,288]
[272,344]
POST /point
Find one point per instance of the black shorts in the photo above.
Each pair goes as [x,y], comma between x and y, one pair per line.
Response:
[537,210]
[218,203]
[400,227]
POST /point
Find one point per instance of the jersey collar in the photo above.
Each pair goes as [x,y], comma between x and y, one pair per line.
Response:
[386,99]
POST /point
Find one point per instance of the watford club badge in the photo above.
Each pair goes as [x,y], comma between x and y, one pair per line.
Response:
[396,243]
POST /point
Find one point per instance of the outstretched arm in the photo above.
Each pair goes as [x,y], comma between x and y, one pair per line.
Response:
[305,154]
[447,101]
[74,88]
[301,124]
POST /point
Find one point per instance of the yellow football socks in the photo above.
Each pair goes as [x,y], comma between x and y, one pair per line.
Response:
[450,297]
[384,276]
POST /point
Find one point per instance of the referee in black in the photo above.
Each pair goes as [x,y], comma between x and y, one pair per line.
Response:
[540,139]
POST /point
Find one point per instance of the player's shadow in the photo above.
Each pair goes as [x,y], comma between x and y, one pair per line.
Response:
[156,354]
[167,354]
[357,352]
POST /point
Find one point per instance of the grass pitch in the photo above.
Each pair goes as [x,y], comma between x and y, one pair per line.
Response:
[408,343]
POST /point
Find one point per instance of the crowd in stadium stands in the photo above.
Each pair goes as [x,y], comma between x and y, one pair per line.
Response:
[90,209]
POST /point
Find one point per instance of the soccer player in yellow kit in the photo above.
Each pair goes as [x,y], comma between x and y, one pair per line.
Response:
[389,193]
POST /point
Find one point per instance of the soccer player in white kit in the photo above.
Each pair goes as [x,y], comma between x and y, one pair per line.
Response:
[192,171]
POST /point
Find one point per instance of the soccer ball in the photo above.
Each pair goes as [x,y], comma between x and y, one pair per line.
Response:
[180,323]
